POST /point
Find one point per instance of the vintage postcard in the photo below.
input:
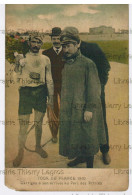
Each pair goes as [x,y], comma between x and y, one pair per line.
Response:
[67,108]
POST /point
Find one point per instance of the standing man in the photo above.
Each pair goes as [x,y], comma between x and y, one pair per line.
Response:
[55,55]
[34,79]
[92,51]
[81,118]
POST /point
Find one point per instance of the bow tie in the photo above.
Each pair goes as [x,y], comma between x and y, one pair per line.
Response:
[57,50]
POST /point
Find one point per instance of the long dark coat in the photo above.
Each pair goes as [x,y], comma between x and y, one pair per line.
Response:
[94,52]
[56,67]
[80,92]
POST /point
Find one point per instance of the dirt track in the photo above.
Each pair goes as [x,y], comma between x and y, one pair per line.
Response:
[117,118]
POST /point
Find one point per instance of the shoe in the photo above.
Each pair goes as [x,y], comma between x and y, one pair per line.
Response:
[54,139]
[41,152]
[17,161]
[76,161]
[106,158]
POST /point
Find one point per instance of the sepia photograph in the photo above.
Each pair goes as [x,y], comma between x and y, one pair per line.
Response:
[67,97]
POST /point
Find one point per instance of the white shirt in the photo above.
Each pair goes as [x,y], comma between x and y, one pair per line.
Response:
[59,50]
[37,63]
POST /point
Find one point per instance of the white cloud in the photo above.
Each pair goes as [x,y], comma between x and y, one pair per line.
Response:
[75,9]
[46,17]
[71,11]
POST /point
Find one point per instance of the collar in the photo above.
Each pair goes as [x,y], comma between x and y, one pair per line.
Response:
[72,58]
[59,50]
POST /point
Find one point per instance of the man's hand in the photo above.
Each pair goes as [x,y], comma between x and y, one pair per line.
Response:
[50,101]
[88,116]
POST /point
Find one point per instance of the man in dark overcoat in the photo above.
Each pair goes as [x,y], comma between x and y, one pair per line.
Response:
[81,117]
[93,51]
[55,54]
[89,50]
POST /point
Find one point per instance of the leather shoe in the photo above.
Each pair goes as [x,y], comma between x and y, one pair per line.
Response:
[17,161]
[76,161]
[106,158]
[41,152]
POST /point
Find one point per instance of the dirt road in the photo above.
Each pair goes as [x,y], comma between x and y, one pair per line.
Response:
[117,119]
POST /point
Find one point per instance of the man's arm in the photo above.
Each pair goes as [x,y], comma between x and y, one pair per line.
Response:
[18,67]
[94,52]
[49,82]
[93,87]
[103,65]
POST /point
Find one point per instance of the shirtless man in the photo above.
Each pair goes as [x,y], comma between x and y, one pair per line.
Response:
[34,79]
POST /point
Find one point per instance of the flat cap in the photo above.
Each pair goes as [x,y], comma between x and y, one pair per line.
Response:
[36,36]
[70,34]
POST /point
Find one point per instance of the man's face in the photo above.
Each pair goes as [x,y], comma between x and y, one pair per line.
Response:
[69,49]
[35,45]
[56,41]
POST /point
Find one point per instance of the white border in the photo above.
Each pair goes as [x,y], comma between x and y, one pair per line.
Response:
[3,188]
[130,96]
[2,92]
[65,2]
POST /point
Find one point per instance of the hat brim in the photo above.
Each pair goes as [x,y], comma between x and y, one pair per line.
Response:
[54,35]
[36,37]
[67,42]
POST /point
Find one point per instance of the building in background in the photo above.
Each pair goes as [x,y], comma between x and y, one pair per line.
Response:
[102,30]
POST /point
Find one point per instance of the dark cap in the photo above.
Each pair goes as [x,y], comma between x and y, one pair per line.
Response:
[70,34]
[36,36]
[56,31]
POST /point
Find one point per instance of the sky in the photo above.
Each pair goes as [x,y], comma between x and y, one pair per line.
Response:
[83,16]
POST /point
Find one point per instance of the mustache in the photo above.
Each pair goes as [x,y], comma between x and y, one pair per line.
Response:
[35,47]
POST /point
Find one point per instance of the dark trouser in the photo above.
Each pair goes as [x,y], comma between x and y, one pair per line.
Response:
[81,159]
[89,161]
[104,148]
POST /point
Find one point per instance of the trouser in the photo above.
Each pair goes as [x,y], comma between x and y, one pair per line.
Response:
[89,161]
[104,148]
[56,110]
[81,159]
